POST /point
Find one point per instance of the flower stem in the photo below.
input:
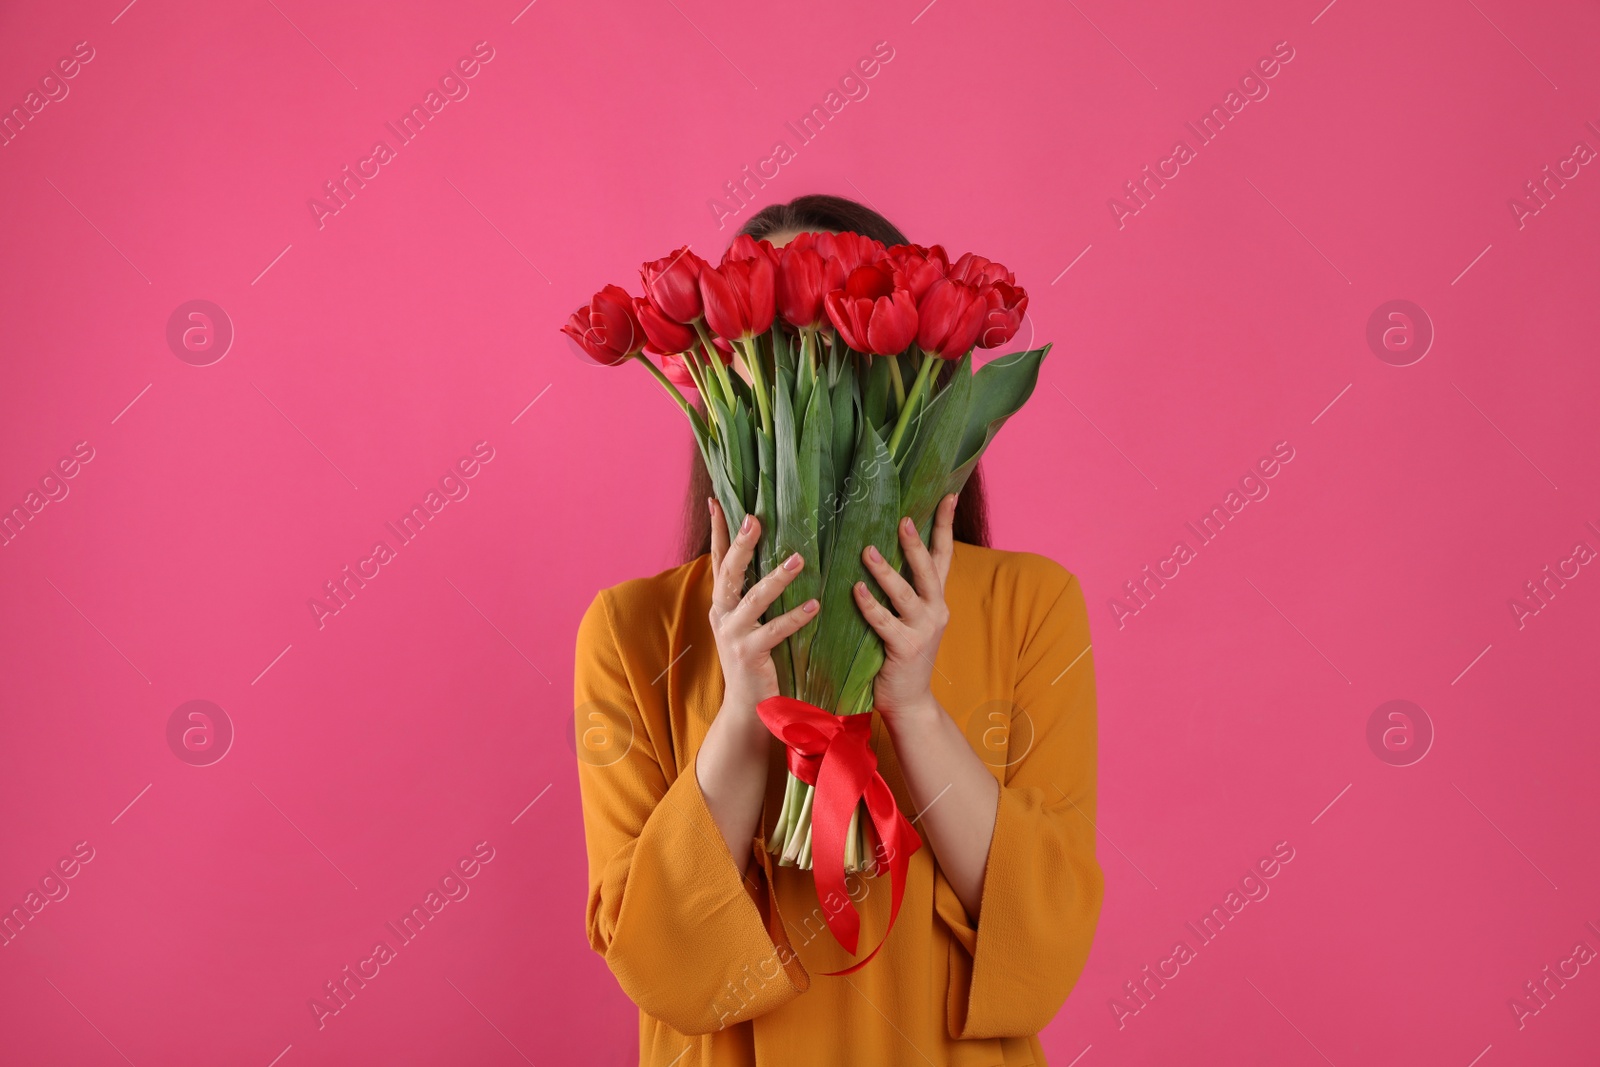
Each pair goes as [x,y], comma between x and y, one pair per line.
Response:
[758,382]
[800,832]
[672,390]
[703,383]
[899,383]
[786,816]
[714,360]
[870,843]
[911,402]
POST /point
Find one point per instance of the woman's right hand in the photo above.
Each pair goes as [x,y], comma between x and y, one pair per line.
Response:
[744,642]
[732,763]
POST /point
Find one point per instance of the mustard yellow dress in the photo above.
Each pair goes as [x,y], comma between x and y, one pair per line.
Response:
[728,970]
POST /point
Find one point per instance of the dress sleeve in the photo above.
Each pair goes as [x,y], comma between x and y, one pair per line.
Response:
[689,941]
[1012,970]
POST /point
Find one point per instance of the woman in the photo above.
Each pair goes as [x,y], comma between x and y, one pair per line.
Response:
[984,729]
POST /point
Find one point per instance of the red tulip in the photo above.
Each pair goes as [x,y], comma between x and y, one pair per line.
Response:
[852,250]
[1005,306]
[676,372]
[662,335]
[672,284]
[922,266]
[805,276]
[873,313]
[949,318]
[746,247]
[811,241]
[606,328]
[739,297]
[976,270]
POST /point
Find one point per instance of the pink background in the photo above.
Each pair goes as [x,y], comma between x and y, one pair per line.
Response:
[1227,315]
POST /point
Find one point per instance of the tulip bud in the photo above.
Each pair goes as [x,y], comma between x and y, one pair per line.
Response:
[672,284]
[805,276]
[1005,305]
[873,312]
[852,250]
[921,266]
[949,318]
[606,328]
[739,297]
[673,367]
[745,247]
[976,270]
[662,335]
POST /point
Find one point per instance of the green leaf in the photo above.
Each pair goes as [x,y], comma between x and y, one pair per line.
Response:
[741,388]
[725,464]
[722,485]
[765,558]
[817,432]
[1009,390]
[999,390]
[805,380]
[783,360]
[844,401]
[875,391]
[785,511]
[855,695]
[730,439]
[796,529]
[871,510]
[932,453]
[937,434]
[748,476]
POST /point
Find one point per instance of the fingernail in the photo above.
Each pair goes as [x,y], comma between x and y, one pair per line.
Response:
[749,521]
[905,524]
[792,563]
[873,554]
[711,505]
[861,587]
[809,606]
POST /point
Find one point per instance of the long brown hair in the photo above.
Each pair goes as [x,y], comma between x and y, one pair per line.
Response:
[815,213]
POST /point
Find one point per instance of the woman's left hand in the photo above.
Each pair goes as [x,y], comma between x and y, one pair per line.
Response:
[910,633]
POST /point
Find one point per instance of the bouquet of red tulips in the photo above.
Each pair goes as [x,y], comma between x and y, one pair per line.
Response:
[838,425]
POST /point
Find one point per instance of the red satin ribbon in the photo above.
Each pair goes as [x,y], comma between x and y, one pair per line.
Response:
[832,753]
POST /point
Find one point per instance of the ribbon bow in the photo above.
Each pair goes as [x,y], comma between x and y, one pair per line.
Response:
[831,752]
